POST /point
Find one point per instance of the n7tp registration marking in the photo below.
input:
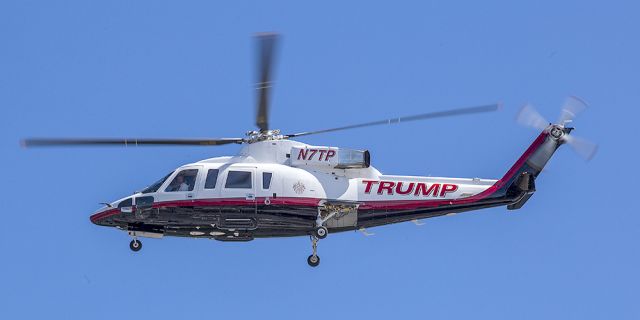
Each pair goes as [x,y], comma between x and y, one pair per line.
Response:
[323,154]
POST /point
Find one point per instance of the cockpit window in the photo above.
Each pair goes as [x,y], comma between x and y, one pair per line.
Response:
[185,180]
[125,203]
[156,185]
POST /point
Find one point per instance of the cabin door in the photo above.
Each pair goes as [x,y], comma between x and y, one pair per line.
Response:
[239,193]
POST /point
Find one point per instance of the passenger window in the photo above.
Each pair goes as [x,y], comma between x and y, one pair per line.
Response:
[185,180]
[212,177]
[266,180]
[238,180]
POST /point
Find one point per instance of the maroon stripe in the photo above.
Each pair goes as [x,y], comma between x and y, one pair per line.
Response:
[104,214]
[525,156]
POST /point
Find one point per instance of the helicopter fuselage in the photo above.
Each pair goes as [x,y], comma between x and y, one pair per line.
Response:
[266,191]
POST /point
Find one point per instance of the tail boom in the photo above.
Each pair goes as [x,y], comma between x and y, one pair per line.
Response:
[512,190]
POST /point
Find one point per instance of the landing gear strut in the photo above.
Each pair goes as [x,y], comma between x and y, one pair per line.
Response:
[135,245]
[320,232]
[314,259]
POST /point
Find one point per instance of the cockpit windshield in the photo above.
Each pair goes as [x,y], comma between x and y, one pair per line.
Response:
[156,185]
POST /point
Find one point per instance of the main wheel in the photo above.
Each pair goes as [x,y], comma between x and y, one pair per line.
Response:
[135,245]
[321,232]
[313,260]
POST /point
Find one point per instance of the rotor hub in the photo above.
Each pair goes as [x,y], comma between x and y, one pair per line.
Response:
[257,136]
[556,132]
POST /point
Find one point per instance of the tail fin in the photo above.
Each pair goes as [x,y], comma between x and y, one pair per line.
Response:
[519,182]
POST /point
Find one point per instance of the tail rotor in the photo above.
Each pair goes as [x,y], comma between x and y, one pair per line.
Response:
[530,117]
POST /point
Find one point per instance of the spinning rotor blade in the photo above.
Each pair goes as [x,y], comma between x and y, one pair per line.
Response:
[266,47]
[573,106]
[43,142]
[530,117]
[423,116]
[584,148]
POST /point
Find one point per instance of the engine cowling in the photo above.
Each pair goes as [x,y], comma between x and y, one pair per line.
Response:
[330,157]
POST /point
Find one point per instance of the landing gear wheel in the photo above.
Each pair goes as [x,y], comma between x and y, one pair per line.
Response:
[321,232]
[135,245]
[313,260]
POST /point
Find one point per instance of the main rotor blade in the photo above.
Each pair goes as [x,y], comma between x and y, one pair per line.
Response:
[266,47]
[65,142]
[423,116]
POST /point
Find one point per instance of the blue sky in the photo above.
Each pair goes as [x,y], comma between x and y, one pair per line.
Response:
[168,69]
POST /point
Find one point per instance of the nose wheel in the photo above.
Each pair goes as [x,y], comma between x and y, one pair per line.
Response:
[135,245]
[314,259]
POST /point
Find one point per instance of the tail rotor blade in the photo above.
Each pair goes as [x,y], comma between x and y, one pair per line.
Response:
[530,117]
[573,106]
[584,148]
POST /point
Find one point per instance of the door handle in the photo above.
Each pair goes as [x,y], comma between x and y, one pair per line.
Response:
[250,196]
[189,195]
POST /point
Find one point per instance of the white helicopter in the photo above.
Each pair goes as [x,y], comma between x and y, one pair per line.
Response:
[278,187]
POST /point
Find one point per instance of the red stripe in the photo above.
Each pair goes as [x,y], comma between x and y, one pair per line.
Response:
[104,214]
[525,156]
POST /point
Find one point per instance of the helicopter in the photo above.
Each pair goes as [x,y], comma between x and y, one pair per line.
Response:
[279,187]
